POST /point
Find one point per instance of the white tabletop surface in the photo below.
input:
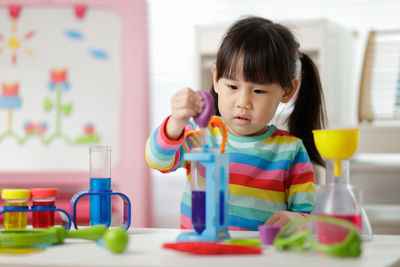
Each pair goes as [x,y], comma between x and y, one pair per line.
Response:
[145,250]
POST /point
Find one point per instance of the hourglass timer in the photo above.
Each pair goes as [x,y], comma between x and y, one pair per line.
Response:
[209,182]
[100,190]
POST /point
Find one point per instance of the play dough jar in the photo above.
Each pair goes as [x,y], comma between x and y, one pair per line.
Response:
[43,198]
[15,198]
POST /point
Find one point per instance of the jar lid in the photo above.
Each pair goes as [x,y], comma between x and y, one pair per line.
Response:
[44,192]
[15,194]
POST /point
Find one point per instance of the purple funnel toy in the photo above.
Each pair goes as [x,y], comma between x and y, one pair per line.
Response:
[203,118]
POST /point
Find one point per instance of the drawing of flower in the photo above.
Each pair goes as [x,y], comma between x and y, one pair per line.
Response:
[38,128]
[58,77]
[10,100]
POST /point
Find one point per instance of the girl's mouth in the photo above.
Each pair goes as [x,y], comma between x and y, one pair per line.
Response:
[242,120]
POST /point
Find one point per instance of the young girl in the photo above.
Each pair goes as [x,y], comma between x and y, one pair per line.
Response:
[271,178]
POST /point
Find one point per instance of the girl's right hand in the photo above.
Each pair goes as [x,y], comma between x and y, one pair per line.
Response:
[185,104]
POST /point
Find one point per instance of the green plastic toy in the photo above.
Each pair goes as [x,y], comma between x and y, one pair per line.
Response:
[54,235]
[250,242]
[297,234]
[115,239]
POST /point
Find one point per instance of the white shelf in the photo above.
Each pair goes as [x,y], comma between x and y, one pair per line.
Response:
[383,213]
[376,162]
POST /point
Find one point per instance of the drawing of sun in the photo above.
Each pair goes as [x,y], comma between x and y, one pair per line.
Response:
[15,44]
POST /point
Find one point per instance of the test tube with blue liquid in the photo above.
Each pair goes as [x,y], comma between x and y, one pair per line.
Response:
[100,191]
[100,181]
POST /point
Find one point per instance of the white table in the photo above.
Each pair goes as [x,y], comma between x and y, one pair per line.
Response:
[145,250]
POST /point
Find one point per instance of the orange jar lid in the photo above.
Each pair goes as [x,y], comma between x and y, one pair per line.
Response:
[44,192]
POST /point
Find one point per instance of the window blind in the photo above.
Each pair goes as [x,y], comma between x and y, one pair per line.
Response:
[380,79]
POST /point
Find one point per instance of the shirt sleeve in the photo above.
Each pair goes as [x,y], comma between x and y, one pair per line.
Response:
[300,185]
[162,153]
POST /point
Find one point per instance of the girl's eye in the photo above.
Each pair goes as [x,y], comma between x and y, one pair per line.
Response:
[258,91]
[233,87]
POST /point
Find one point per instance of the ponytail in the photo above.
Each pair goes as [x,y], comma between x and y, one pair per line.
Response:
[309,109]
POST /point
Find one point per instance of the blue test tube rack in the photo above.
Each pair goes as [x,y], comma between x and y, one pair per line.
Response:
[65,218]
[217,185]
[100,193]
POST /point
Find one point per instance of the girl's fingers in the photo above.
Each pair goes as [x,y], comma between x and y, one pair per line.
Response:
[186,103]
[183,94]
[184,114]
[196,106]
[274,218]
[280,222]
[183,103]
[198,98]
[199,106]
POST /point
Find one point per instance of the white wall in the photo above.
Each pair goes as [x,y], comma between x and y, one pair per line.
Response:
[172,55]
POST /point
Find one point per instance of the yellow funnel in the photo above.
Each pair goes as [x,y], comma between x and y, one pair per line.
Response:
[336,145]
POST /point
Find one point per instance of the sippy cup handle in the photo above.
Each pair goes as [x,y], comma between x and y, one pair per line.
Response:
[203,118]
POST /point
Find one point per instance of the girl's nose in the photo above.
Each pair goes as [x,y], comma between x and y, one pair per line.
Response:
[244,100]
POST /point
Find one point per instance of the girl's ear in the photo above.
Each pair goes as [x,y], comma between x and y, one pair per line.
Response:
[214,72]
[289,93]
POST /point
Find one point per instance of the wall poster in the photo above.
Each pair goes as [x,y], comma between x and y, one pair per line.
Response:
[60,80]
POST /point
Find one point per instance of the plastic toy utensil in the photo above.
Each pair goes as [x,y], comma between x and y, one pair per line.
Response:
[203,118]
[13,251]
[250,242]
[298,234]
[209,248]
[116,240]
[47,237]
[26,241]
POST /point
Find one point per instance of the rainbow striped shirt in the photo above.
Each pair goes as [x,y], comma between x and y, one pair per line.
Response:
[268,173]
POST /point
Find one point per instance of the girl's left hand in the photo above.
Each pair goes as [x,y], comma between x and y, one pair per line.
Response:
[281,218]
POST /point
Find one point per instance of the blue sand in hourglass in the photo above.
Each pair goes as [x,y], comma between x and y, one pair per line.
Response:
[199,210]
[100,206]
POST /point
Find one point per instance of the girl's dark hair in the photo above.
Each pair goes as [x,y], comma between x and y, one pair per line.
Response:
[268,54]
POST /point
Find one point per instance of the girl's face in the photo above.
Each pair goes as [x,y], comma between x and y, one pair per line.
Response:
[247,108]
